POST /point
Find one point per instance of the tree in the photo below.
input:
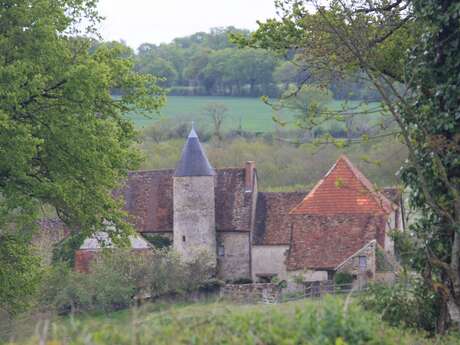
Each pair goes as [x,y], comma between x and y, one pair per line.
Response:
[64,141]
[19,273]
[308,102]
[420,92]
[158,67]
[216,111]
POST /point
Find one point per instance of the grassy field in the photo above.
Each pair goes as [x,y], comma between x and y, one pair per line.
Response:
[251,114]
[320,322]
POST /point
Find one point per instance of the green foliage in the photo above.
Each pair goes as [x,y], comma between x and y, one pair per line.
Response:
[328,323]
[381,262]
[158,241]
[407,303]
[431,121]
[309,104]
[117,276]
[64,141]
[408,50]
[211,285]
[20,272]
[342,278]
[241,280]
[282,166]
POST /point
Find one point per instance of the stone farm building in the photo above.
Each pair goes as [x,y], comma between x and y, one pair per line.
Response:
[340,225]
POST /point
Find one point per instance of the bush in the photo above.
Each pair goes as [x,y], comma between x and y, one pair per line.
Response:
[116,276]
[328,323]
[343,278]
[158,241]
[408,303]
[20,273]
[211,285]
[241,280]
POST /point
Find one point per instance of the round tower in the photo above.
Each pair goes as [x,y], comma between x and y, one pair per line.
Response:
[194,205]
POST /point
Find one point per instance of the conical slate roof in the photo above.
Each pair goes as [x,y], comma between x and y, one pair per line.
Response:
[193,161]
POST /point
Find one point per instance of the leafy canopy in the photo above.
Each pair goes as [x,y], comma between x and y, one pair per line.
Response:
[64,143]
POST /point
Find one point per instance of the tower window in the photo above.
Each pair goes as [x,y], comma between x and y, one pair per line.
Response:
[183,238]
[221,250]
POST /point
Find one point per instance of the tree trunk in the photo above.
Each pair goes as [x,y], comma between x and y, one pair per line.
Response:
[453,303]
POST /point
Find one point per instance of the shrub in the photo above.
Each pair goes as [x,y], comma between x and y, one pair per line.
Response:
[116,276]
[328,323]
[408,303]
[343,278]
[210,285]
[20,272]
[158,241]
[241,280]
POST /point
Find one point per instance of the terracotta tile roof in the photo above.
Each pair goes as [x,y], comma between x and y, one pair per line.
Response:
[323,242]
[272,226]
[233,202]
[149,200]
[344,190]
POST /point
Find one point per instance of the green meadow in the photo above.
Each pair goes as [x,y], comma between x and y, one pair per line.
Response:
[248,114]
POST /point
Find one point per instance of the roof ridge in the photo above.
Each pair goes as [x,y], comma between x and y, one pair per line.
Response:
[308,203]
[380,197]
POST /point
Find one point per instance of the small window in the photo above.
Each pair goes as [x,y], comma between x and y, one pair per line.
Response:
[183,238]
[362,263]
[221,250]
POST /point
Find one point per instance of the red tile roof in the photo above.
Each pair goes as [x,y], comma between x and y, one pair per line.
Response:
[149,200]
[324,242]
[344,190]
[272,225]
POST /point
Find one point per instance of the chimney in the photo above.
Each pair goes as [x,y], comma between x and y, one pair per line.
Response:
[249,168]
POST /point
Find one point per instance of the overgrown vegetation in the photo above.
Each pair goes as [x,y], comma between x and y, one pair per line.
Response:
[407,303]
[119,278]
[343,278]
[281,166]
[330,322]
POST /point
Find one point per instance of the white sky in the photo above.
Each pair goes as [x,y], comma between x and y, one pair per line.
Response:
[158,21]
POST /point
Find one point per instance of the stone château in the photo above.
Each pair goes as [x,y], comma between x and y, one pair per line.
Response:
[340,225]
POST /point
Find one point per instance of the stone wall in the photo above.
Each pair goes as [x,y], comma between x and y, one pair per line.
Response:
[233,259]
[194,216]
[351,265]
[251,293]
[361,275]
[269,260]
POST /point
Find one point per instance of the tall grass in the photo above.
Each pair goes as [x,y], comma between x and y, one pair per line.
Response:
[305,322]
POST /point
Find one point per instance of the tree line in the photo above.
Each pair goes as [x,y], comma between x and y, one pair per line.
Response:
[210,64]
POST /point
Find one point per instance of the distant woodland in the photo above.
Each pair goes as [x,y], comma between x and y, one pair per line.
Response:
[209,64]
